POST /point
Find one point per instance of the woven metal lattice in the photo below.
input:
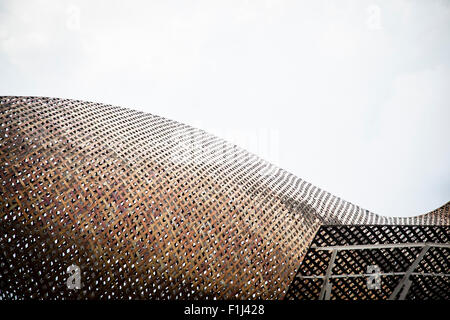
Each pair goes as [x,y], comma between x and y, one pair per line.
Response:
[149,208]
[430,279]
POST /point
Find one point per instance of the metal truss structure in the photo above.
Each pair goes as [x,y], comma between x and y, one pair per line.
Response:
[383,266]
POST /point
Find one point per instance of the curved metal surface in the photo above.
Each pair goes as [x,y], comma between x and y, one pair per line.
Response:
[149,208]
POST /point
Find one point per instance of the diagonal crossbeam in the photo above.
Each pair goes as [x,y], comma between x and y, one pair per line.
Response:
[405,283]
[326,289]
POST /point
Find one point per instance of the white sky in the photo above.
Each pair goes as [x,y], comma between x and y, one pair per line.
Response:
[352,96]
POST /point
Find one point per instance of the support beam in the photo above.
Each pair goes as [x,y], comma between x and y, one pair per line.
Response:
[405,278]
[326,282]
[405,289]
[382,246]
[365,275]
[328,291]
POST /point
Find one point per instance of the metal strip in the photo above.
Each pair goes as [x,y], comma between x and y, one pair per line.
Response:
[408,273]
[370,274]
[327,276]
[383,246]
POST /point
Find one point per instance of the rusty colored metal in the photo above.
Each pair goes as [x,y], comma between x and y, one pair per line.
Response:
[149,208]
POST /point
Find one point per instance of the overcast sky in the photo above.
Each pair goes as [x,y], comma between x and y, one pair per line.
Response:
[352,96]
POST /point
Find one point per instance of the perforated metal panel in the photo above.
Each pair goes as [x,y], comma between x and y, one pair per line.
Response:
[149,208]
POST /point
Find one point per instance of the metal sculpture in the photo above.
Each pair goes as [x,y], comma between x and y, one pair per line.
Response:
[103,202]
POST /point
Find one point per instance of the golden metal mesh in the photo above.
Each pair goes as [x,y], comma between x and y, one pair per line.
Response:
[148,208]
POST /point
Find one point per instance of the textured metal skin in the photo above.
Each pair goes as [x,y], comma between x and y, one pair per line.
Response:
[149,208]
[430,280]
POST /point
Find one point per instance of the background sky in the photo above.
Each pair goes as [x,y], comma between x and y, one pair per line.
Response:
[352,96]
